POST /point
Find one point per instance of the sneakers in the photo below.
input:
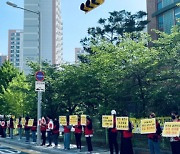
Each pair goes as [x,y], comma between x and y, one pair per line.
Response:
[49,145]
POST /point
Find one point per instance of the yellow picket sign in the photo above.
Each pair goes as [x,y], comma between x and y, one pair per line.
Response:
[73,120]
[62,120]
[107,121]
[30,122]
[122,123]
[148,126]
[83,120]
[171,129]
[16,123]
[136,125]
[23,121]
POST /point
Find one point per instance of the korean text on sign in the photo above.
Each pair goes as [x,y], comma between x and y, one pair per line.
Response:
[107,121]
[148,126]
[73,120]
[62,120]
[83,120]
[171,129]
[122,123]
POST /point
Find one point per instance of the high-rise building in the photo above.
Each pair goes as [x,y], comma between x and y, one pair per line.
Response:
[78,52]
[3,58]
[162,14]
[15,48]
[50,32]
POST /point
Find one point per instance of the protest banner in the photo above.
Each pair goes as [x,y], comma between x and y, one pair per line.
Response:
[107,121]
[171,129]
[30,122]
[83,120]
[73,120]
[148,126]
[122,123]
[62,120]
[23,121]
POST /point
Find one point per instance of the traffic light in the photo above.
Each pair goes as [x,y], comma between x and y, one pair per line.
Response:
[90,4]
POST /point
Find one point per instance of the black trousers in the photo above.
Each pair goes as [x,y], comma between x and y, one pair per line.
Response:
[126,146]
[43,137]
[89,144]
[113,142]
[175,147]
[78,140]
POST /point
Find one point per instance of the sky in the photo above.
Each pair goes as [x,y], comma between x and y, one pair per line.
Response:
[75,21]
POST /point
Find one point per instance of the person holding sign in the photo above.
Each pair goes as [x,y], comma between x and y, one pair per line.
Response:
[27,129]
[49,128]
[56,132]
[11,126]
[78,134]
[153,138]
[67,135]
[4,126]
[43,130]
[34,129]
[175,141]
[112,135]
[88,131]
[126,135]
[19,128]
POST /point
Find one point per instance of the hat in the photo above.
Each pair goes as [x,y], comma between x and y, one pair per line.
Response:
[113,112]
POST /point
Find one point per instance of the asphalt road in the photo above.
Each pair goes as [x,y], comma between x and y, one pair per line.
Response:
[7,149]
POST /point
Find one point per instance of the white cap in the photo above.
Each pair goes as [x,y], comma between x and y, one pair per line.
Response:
[113,112]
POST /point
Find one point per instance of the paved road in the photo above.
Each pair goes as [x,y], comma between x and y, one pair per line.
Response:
[7,149]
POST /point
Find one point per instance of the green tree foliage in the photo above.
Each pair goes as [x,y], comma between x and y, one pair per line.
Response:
[110,29]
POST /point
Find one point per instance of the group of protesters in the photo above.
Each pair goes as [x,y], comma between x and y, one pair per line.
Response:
[153,138]
[50,130]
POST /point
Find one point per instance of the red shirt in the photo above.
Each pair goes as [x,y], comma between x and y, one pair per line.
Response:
[78,128]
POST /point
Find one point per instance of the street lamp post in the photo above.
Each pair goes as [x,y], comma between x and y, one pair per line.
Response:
[39,92]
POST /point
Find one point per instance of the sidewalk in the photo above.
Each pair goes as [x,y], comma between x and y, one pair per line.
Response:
[44,149]
[60,148]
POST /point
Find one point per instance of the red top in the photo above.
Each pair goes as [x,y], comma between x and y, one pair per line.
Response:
[78,128]
[67,129]
[55,130]
[43,127]
[114,130]
[127,134]
[88,129]
[157,134]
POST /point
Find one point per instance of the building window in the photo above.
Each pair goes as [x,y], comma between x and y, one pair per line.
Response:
[17,51]
[159,4]
[160,22]
[17,34]
[12,34]
[177,15]
[17,47]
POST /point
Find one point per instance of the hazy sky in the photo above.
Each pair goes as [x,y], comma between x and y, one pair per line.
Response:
[75,21]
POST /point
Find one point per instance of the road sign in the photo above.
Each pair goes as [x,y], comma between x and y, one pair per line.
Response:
[40,86]
[39,76]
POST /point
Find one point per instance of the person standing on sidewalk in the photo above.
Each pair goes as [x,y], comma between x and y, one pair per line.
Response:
[67,135]
[11,126]
[33,130]
[56,132]
[112,135]
[175,141]
[126,143]
[88,131]
[4,126]
[20,128]
[27,129]
[43,131]
[49,129]
[78,134]
[153,139]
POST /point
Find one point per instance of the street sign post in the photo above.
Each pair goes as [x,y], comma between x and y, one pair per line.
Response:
[39,76]
[40,86]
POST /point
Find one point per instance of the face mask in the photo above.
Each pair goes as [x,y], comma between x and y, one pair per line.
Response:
[173,117]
